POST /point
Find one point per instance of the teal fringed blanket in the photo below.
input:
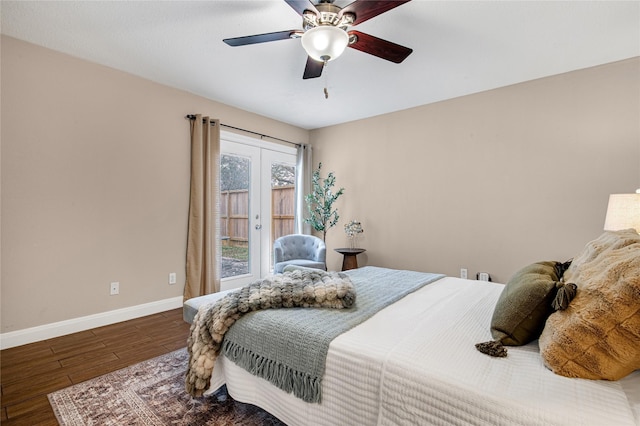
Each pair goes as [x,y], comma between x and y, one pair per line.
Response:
[288,347]
[310,288]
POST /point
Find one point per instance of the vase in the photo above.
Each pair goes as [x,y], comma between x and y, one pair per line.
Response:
[352,242]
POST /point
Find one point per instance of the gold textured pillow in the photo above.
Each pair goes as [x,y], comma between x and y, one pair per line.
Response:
[598,335]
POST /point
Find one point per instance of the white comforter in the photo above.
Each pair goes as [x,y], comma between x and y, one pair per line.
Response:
[414,363]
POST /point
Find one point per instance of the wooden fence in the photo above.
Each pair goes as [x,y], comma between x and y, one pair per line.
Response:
[234,214]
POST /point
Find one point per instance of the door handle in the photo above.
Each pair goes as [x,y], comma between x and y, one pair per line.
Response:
[258,227]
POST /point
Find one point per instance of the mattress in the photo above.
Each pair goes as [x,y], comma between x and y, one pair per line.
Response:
[415,362]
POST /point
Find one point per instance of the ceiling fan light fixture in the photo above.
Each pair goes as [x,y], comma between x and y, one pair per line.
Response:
[325,43]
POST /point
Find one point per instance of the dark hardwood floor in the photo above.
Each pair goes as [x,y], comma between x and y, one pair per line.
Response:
[30,372]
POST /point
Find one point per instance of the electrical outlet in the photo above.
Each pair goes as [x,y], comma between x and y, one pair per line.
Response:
[463,273]
[115,288]
[172,278]
[483,276]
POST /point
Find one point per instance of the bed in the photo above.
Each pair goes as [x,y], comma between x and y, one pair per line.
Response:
[414,363]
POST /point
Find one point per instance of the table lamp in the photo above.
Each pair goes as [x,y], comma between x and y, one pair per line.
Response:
[623,212]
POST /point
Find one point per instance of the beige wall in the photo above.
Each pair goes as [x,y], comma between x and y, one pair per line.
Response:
[95,166]
[491,181]
[95,184]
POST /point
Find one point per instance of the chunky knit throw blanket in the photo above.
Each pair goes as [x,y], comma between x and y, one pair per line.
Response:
[300,288]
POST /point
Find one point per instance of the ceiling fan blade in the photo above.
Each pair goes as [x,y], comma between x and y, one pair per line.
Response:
[378,47]
[366,9]
[260,38]
[313,69]
[301,5]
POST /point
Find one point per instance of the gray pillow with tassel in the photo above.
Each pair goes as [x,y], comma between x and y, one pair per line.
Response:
[526,301]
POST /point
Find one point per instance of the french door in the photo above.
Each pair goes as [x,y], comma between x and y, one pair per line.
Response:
[257,199]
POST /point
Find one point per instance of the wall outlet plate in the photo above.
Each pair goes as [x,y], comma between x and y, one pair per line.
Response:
[115,288]
[483,276]
[172,278]
[463,273]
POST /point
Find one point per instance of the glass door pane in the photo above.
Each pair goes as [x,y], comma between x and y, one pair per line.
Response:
[234,214]
[283,191]
[278,201]
[240,221]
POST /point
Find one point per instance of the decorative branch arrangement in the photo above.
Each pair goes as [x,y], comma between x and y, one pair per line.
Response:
[353,229]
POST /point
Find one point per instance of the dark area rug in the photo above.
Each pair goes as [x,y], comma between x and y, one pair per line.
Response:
[151,393]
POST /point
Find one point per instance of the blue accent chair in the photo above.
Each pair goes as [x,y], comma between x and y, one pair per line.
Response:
[300,250]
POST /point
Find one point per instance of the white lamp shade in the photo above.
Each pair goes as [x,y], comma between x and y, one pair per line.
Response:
[325,43]
[623,212]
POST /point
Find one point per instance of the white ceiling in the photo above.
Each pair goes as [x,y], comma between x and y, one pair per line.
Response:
[459,48]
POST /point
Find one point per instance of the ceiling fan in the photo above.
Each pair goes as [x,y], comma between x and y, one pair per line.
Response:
[325,32]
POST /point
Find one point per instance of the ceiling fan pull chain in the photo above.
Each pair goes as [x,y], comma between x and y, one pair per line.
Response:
[326,81]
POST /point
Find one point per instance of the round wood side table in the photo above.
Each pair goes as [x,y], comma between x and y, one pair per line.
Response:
[350,259]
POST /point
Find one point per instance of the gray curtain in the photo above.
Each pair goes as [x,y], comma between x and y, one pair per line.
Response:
[304,169]
[203,239]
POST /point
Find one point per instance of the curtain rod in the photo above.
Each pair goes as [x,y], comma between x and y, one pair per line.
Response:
[193,117]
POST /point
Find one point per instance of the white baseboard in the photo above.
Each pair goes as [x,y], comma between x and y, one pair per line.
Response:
[56,329]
